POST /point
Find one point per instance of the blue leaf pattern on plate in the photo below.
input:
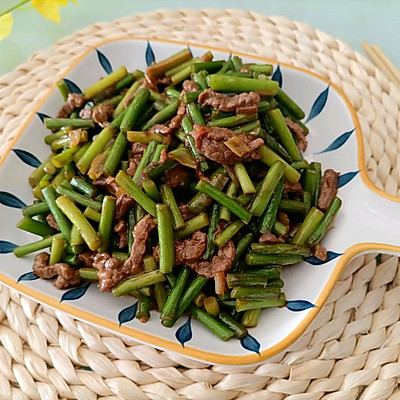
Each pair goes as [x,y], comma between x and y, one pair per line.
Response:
[338,142]
[299,305]
[250,343]
[28,276]
[75,294]
[149,55]
[184,333]
[73,87]
[316,261]
[346,178]
[277,76]
[6,247]
[103,60]
[42,116]
[318,105]
[27,158]
[127,314]
[10,200]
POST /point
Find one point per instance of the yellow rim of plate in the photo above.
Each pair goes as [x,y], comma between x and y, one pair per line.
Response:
[206,356]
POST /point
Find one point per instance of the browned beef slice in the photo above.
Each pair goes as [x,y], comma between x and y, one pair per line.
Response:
[299,132]
[137,153]
[175,176]
[210,143]
[174,124]
[141,234]
[121,230]
[271,238]
[292,188]
[186,214]
[109,183]
[221,262]
[65,275]
[161,129]
[41,260]
[51,221]
[87,258]
[123,204]
[329,186]
[283,218]
[176,121]
[74,101]
[110,271]
[320,252]
[164,80]
[187,250]
[86,113]
[100,114]
[190,86]
[164,156]
[243,103]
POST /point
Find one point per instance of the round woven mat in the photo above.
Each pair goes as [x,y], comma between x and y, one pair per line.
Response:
[350,352]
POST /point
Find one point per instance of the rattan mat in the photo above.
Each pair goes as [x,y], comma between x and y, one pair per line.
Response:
[352,348]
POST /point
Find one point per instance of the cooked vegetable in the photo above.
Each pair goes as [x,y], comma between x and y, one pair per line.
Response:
[183,185]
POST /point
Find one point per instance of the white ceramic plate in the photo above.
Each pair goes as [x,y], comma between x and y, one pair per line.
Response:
[365,222]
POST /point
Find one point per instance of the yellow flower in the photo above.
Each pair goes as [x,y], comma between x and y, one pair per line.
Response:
[6,22]
[49,8]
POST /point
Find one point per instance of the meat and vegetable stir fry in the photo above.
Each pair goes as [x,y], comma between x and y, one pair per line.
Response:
[183,185]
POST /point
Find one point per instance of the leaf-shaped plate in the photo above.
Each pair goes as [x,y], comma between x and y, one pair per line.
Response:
[365,223]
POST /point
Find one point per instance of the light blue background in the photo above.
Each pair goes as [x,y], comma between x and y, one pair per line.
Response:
[353,21]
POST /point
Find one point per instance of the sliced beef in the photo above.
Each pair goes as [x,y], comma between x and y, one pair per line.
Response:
[176,121]
[100,114]
[174,125]
[141,234]
[164,80]
[299,133]
[138,150]
[190,86]
[243,103]
[320,252]
[41,261]
[283,218]
[87,258]
[110,271]
[51,221]
[121,229]
[187,250]
[186,214]
[122,205]
[270,238]
[161,129]
[175,176]
[210,143]
[329,186]
[109,183]
[292,188]
[221,262]
[150,83]
[64,274]
[164,156]
[74,100]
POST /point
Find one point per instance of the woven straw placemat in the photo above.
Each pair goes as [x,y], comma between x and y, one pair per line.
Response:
[352,348]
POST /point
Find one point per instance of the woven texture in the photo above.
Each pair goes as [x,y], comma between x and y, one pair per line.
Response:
[352,348]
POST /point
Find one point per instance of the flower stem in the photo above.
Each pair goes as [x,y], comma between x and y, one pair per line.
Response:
[21,3]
